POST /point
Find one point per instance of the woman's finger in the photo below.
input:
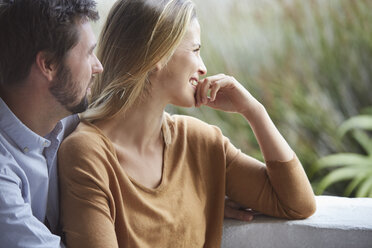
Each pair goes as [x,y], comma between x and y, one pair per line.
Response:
[205,86]
[214,89]
[214,83]
[210,83]
[204,90]
[219,84]
[216,77]
[198,95]
[237,214]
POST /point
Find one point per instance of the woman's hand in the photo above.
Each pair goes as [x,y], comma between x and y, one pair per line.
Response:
[226,94]
[235,211]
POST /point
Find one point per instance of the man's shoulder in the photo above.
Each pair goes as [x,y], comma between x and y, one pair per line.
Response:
[9,168]
[69,124]
[5,155]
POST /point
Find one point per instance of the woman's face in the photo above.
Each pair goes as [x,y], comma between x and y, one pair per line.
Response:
[179,77]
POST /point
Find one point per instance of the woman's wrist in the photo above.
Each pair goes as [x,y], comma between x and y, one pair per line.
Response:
[254,112]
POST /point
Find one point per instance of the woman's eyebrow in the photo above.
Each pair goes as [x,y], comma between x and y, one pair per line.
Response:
[92,47]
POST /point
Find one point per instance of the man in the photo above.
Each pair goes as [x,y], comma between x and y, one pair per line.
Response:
[46,67]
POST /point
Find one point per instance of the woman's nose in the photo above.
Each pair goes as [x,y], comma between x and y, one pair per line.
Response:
[202,69]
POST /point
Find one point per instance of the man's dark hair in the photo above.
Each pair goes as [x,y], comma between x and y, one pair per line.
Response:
[30,26]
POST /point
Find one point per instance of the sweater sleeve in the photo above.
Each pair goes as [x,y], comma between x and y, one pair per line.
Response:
[86,203]
[279,189]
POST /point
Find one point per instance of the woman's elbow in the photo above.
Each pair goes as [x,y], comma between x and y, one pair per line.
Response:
[305,211]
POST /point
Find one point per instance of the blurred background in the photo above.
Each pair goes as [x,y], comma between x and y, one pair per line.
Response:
[310,63]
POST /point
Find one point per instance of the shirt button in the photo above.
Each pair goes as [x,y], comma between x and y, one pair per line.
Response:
[25,149]
[45,143]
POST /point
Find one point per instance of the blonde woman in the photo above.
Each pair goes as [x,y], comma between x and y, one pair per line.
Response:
[134,176]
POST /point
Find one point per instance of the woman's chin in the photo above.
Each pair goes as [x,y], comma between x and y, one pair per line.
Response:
[185,103]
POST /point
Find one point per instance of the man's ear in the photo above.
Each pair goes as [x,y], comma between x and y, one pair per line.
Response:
[48,69]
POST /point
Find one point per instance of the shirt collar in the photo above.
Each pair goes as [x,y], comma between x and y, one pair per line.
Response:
[19,133]
[63,128]
[69,124]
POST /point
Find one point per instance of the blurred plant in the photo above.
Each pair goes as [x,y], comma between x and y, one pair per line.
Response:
[354,167]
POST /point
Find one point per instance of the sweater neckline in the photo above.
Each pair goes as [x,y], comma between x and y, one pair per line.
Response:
[159,188]
[163,181]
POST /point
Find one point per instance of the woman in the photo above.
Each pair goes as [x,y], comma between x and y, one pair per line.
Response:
[133,176]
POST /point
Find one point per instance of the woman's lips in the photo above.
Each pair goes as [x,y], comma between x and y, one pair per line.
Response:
[194,82]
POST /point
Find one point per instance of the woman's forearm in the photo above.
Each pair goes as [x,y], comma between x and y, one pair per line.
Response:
[273,146]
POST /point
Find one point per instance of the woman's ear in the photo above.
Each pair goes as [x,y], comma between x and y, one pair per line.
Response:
[46,68]
[158,66]
[154,73]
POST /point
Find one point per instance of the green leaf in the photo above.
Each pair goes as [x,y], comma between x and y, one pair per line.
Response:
[343,159]
[367,111]
[357,122]
[336,176]
[364,140]
[340,160]
[365,189]
[355,167]
[354,184]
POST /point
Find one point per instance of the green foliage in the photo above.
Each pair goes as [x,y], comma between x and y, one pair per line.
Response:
[355,168]
[361,122]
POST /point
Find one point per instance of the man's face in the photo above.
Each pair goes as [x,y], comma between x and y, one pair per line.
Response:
[76,74]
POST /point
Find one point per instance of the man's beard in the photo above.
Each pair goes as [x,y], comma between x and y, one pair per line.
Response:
[64,90]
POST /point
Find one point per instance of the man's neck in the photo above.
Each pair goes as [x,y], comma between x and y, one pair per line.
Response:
[33,109]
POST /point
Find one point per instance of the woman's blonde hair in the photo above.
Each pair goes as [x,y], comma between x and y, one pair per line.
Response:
[137,35]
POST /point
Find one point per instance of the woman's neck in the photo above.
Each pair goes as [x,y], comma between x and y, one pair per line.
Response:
[139,127]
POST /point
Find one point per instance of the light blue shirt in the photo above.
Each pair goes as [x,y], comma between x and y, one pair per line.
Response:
[28,182]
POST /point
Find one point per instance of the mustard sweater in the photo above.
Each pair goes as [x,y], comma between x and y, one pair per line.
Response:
[101,206]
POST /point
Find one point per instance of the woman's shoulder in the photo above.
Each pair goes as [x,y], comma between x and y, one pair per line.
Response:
[186,120]
[85,139]
[193,127]
[85,152]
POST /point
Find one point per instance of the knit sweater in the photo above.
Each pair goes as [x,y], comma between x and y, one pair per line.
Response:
[101,206]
